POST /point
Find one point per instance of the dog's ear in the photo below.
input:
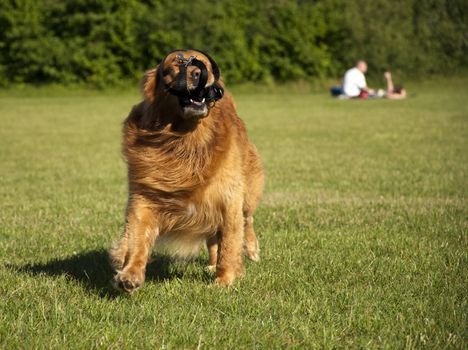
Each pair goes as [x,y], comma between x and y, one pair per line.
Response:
[149,83]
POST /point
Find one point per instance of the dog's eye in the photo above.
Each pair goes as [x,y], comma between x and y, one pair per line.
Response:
[195,74]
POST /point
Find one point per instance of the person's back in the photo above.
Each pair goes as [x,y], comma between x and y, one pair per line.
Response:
[354,80]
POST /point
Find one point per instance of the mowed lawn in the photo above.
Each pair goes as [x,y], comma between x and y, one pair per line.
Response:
[363,228]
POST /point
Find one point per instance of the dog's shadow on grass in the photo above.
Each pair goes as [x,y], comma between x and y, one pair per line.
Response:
[93,272]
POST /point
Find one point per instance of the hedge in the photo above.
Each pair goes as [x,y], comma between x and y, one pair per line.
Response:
[101,42]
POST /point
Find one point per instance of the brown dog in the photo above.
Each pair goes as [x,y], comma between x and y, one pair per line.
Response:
[193,175]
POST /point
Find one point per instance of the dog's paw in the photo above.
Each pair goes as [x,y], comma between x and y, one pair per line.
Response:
[253,255]
[128,281]
[252,251]
[225,280]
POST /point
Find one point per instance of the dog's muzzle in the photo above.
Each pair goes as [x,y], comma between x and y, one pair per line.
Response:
[201,94]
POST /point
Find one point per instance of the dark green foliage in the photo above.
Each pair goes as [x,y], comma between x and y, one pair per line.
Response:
[414,37]
[101,42]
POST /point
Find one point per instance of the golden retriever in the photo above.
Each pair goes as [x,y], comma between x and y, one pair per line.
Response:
[193,175]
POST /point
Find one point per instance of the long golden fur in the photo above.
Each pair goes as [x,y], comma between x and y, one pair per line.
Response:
[193,178]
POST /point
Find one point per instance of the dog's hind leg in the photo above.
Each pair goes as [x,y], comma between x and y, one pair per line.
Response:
[255,181]
[251,246]
[138,238]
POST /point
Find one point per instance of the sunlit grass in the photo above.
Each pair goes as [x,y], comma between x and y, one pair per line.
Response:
[363,228]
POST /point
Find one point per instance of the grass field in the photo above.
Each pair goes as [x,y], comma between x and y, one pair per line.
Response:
[363,228]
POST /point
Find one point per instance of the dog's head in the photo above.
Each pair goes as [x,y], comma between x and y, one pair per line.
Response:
[186,82]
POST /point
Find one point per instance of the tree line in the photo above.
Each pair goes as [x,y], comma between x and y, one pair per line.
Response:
[102,42]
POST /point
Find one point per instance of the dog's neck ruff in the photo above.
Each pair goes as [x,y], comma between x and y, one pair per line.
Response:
[201,92]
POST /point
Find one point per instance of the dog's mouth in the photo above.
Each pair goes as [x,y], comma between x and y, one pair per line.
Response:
[197,103]
[194,108]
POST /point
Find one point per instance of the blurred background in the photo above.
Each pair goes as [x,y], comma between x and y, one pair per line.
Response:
[363,223]
[103,42]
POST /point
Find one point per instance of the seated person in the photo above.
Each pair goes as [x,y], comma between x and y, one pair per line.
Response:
[354,82]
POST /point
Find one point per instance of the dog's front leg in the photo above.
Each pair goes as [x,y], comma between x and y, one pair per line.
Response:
[140,234]
[230,245]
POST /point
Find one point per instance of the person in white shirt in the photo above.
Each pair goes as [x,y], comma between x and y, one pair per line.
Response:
[354,81]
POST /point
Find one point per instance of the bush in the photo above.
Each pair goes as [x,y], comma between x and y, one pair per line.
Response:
[101,42]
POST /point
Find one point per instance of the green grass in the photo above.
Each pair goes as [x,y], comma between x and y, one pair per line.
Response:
[363,228]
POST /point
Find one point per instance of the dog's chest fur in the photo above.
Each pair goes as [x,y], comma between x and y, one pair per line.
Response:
[189,178]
